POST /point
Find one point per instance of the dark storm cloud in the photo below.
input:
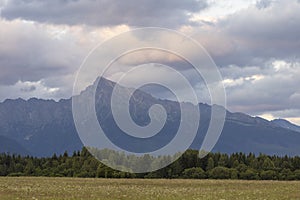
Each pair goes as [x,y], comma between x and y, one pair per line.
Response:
[105,12]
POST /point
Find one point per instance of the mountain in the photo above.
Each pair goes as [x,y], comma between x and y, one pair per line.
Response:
[286,124]
[11,146]
[43,127]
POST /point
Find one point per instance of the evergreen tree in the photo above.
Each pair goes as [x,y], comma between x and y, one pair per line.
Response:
[223,161]
[268,164]
[210,164]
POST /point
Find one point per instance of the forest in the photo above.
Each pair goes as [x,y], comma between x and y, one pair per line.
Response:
[188,166]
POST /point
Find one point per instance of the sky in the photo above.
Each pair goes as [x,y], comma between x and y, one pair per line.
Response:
[255,44]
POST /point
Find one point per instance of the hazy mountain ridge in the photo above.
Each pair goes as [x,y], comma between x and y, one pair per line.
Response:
[286,124]
[43,127]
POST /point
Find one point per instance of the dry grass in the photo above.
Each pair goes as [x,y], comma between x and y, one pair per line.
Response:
[140,189]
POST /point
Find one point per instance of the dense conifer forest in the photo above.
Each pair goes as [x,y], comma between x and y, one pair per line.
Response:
[189,165]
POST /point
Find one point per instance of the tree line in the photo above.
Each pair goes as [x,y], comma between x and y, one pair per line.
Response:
[189,165]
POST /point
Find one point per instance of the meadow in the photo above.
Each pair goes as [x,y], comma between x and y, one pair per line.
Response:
[143,189]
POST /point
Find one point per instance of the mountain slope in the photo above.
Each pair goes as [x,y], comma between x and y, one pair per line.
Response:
[44,127]
[286,124]
[10,146]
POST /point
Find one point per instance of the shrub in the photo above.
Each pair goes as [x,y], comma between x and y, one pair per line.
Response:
[268,175]
[249,174]
[297,174]
[195,172]
[220,173]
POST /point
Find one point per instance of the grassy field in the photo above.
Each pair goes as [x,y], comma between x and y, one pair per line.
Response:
[139,189]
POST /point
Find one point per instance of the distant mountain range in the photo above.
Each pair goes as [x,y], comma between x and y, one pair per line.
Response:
[42,127]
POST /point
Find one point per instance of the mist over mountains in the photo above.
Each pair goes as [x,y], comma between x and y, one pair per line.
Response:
[40,127]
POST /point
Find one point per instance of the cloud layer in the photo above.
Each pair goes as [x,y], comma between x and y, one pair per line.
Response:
[105,12]
[257,48]
[252,36]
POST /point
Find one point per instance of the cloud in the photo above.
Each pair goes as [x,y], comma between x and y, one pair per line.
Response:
[28,89]
[258,50]
[31,52]
[291,115]
[44,42]
[273,90]
[261,4]
[253,36]
[105,12]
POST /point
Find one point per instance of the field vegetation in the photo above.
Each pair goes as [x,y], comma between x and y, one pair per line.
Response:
[144,189]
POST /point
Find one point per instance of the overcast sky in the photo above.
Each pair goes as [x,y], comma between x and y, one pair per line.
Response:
[255,44]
